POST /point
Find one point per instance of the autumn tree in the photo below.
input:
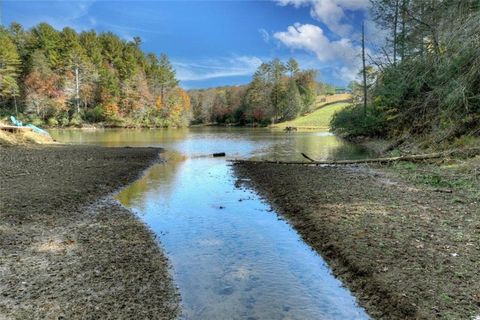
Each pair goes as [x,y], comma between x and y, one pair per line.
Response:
[43,88]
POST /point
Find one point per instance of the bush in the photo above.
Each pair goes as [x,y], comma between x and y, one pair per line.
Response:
[95,115]
[52,122]
[76,120]
[64,121]
[352,121]
[36,121]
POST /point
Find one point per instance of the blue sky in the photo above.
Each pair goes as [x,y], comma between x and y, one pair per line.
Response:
[214,43]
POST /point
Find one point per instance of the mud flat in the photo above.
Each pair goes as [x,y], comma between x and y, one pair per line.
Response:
[67,250]
[406,250]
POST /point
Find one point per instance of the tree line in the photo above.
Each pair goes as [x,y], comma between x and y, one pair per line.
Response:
[426,80]
[67,78]
[278,92]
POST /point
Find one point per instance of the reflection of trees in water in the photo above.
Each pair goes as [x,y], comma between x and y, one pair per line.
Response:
[121,137]
[349,151]
[316,146]
[158,181]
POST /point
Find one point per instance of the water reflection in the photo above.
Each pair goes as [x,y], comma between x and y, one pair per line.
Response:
[258,143]
[232,257]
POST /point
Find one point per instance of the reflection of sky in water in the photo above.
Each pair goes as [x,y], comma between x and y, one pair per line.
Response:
[232,257]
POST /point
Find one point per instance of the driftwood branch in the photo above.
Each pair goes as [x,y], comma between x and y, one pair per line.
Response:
[307,157]
[418,157]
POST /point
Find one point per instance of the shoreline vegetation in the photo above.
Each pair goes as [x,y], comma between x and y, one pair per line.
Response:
[68,250]
[424,88]
[65,78]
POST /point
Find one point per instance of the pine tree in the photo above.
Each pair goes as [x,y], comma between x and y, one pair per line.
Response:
[292,67]
[9,67]
[293,101]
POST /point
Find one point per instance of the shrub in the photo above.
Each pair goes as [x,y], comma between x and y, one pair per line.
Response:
[36,121]
[64,121]
[95,115]
[76,120]
[352,121]
[52,122]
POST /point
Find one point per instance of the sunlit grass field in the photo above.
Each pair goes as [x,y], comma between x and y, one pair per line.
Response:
[318,119]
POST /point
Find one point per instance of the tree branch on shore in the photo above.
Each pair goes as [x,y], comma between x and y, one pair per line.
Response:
[471,152]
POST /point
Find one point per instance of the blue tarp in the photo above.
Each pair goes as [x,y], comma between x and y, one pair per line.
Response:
[34,128]
[16,122]
[37,129]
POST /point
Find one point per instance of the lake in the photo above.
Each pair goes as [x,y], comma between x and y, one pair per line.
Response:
[232,256]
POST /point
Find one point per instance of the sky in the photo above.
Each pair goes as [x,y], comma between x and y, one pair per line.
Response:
[215,43]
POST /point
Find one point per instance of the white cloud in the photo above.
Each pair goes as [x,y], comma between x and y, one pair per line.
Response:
[313,39]
[341,54]
[331,12]
[216,68]
[265,35]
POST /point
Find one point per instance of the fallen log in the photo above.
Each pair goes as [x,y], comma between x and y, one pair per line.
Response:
[418,157]
[307,157]
[219,154]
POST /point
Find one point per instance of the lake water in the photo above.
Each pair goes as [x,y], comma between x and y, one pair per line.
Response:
[232,255]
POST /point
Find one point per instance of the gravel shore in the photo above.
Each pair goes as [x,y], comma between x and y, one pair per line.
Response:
[67,249]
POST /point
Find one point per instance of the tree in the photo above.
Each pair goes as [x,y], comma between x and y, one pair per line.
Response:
[292,67]
[44,95]
[364,71]
[277,91]
[68,76]
[307,86]
[9,67]
[47,39]
[432,90]
[293,103]
[161,75]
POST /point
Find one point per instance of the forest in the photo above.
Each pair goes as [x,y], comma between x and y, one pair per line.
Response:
[65,78]
[278,92]
[425,82]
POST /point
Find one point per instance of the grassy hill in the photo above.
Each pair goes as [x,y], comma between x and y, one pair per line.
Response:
[318,119]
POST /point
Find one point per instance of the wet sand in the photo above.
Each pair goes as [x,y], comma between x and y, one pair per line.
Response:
[67,250]
[406,251]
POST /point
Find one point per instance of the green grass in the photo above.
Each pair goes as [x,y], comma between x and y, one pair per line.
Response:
[317,119]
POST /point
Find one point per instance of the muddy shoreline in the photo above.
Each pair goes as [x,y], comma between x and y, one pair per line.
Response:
[406,251]
[67,249]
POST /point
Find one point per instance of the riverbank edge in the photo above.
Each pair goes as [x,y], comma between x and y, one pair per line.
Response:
[98,259]
[370,276]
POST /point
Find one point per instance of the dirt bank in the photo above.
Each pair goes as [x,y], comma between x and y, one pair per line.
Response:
[65,254]
[407,250]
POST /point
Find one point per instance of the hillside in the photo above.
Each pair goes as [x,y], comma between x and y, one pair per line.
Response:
[318,119]
[68,78]
[428,94]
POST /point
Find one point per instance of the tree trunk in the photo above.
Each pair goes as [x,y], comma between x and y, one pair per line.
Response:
[364,73]
[395,24]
